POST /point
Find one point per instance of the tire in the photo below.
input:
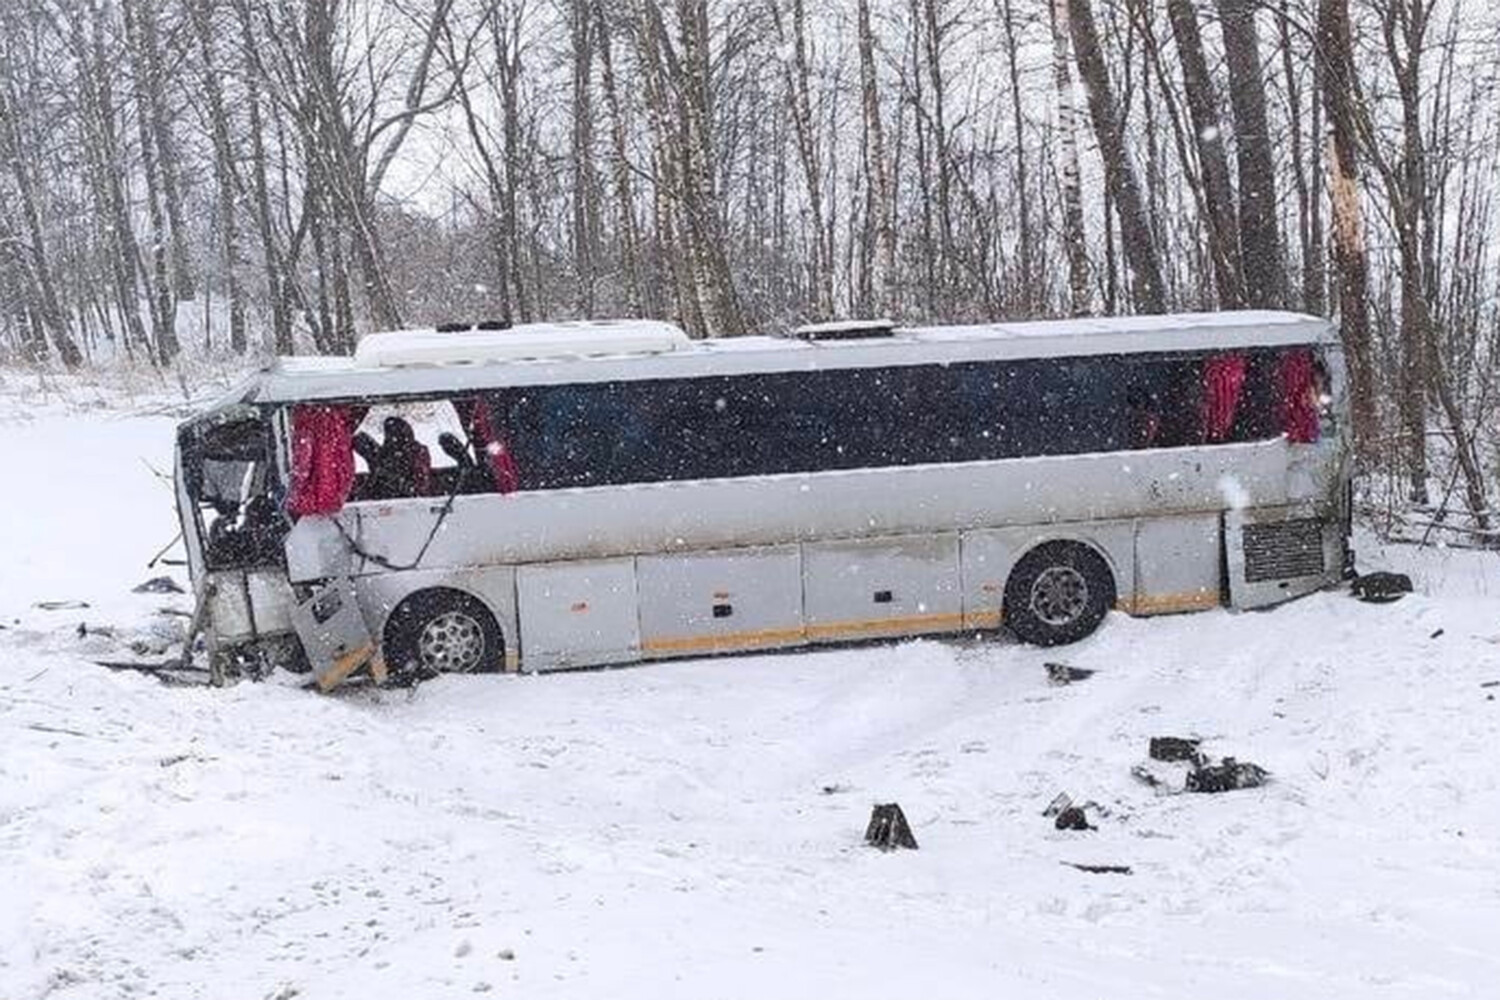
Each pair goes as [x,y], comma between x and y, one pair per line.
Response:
[442,631]
[1058,593]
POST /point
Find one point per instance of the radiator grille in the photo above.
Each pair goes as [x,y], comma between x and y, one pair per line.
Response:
[1283,550]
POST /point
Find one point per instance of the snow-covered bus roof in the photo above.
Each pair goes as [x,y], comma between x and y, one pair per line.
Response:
[421,362]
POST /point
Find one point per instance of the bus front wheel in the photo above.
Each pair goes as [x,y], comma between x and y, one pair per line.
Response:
[442,632]
[1058,593]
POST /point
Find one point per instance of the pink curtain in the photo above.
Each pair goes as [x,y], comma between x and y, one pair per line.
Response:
[1223,384]
[322,460]
[1296,407]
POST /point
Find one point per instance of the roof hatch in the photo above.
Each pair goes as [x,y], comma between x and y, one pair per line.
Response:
[846,329]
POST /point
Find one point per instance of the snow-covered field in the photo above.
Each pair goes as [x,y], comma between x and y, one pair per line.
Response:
[694,829]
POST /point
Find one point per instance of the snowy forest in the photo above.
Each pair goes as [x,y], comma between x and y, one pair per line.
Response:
[238,177]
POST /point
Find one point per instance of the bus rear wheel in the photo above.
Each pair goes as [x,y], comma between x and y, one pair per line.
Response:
[1058,593]
[442,632]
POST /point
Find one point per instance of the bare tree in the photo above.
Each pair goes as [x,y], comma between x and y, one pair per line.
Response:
[1148,290]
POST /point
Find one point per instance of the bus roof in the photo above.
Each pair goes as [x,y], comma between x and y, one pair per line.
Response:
[423,362]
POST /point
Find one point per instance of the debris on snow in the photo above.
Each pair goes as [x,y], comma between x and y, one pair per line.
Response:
[1171,748]
[888,829]
[1380,587]
[1072,818]
[158,585]
[1228,776]
[1062,673]
[60,605]
[1060,802]
[1178,765]
[1100,869]
[1066,816]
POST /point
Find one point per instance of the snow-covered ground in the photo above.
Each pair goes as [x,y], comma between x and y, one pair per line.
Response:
[694,829]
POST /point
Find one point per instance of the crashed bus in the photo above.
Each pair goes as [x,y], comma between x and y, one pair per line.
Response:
[578,494]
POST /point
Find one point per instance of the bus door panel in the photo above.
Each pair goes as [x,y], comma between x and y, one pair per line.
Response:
[1276,554]
[1177,565]
[578,614]
[882,587]
[708,602]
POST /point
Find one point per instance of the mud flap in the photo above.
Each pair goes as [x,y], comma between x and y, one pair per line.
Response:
[1277,554]
[335,638]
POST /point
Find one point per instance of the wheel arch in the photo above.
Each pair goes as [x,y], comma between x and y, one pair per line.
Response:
[493,589]
[1080,539]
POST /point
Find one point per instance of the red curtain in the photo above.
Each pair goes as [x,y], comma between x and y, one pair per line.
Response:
[1223,384]
[503,468]
[1296,407]
[322,460]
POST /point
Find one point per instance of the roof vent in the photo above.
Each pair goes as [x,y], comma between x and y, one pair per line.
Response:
[846,329]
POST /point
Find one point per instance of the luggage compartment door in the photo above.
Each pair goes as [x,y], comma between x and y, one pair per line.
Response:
[711,602]
[882,587]
[577,614]
[1277,554]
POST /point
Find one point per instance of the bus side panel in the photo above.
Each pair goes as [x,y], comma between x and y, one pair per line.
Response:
[711,602]
[578,614]
[989,555]
[882,587]
[1177,565]
[601,522]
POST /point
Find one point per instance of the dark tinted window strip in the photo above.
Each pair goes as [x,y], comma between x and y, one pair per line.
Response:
[595,434]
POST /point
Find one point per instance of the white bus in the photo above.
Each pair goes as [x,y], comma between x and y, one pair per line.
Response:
[572,495]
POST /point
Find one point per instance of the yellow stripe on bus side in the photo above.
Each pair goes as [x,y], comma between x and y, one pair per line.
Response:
[723,641]
[1153,604]
[787,636]
[1165,604]
[905,623]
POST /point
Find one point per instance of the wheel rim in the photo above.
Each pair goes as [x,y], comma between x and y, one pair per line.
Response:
[452,643]
[1059,595]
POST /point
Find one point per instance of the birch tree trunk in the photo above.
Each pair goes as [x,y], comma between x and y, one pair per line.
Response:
[1075,240]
